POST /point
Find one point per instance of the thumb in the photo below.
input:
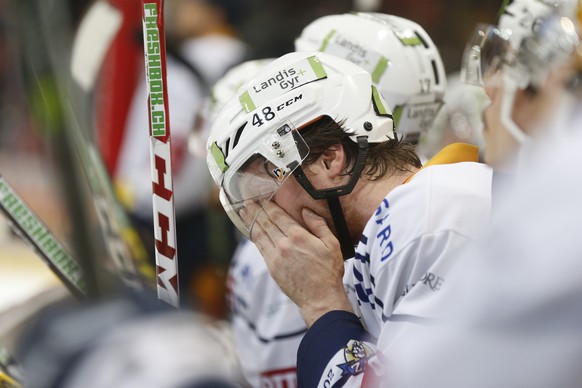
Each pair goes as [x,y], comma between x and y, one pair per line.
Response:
[318,226]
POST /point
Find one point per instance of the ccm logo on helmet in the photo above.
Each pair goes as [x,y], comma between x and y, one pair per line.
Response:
[267,111]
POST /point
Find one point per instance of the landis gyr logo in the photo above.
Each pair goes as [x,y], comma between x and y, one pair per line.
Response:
[286,79]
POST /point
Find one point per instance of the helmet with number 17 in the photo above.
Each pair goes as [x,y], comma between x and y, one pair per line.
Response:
[255,142]
[404,62]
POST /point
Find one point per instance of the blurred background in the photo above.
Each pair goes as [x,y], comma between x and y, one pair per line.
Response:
[69,85]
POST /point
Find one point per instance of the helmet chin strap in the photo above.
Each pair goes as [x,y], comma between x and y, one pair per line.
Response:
[341,226]
[332,195]
[510,86]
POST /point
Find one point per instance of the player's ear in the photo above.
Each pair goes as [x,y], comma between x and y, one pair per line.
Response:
[333,162]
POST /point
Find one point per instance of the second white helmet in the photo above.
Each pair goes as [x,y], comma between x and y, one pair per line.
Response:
[401,57]
[222,91]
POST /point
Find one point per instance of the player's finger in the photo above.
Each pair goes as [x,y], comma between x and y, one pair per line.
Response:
[249,213]
[263,232]
[318,226]
[271,227]
[262,239]
[280,217]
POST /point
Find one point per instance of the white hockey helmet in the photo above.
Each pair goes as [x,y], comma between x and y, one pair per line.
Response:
[401,57]
[255,141]
[531,38]
[222,91]
[515,43]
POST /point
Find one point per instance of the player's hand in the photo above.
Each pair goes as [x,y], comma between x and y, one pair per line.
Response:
[307,264]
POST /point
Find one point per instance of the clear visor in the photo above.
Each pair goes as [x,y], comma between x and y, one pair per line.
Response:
[248,186]
[484,55]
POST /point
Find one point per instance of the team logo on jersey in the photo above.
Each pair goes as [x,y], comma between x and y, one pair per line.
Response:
[356,354]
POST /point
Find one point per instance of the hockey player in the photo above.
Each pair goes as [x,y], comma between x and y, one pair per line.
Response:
[267,325]
[308,164]
[513,67]
[516,311]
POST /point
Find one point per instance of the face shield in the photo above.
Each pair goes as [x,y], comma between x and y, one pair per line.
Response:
[265,168]
[489,61]
[485,54]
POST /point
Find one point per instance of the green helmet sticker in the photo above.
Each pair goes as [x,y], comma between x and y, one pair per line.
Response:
[247,102]
[378,103]
[504,5]
[326,40]
[397,113]
[410,40]
[380,68]
[317,67]
[219,157]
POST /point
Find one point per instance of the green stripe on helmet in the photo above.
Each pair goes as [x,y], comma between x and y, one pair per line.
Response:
[382,111]
[218,157]
[397,114]
[411,40]
[326,40]
[503,7]
[247,102]
[317,67]
[380,68]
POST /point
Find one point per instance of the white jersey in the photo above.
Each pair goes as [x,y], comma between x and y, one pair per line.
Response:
[402,261]
[407,246]
[267,325]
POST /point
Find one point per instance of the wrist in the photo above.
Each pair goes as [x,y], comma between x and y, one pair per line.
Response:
[313,312]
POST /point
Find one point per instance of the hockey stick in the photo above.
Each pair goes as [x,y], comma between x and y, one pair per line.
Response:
[122,242]
[31,229]
[160,152]
[129,257]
